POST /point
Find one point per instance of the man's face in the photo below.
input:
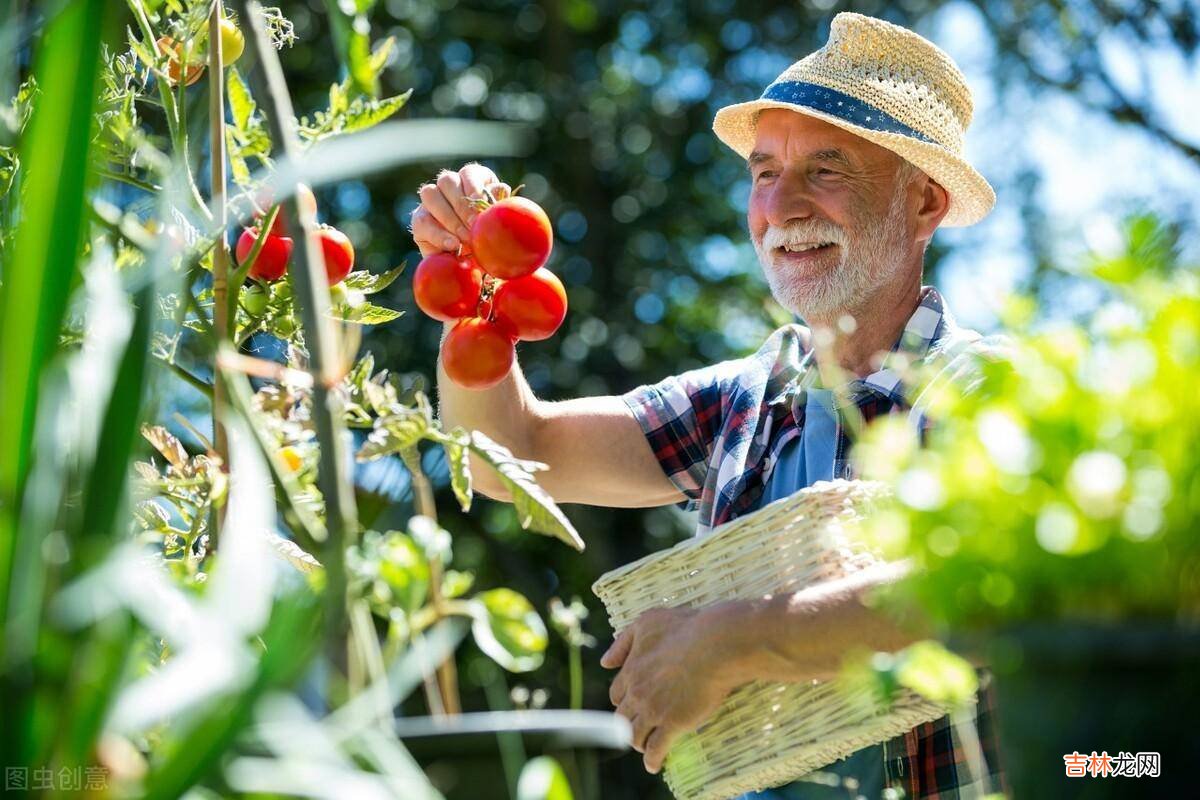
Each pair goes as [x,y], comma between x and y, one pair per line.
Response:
[813,183]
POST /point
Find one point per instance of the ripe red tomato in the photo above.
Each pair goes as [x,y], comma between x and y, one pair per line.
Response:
[338,252]
[477,354]
[532,307]
[173,50]
[446,287]
[511,238]
[272,259]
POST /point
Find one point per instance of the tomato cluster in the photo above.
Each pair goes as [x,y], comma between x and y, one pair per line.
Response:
[496,289]
[233,42]
[273,257]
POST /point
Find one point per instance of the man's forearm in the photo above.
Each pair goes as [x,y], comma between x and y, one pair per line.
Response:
[806,635]
[504,412]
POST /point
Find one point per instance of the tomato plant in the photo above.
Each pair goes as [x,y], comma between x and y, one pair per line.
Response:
[531,307]
[511,237]
[477,354]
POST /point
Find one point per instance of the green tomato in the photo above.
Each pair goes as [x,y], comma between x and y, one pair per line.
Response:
[254,300]
[284,327]
[338,294]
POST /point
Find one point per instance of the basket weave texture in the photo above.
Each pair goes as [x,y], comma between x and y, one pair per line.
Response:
[766,734]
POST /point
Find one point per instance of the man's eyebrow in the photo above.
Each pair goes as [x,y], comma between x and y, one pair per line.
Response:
[829,154]
[757,157]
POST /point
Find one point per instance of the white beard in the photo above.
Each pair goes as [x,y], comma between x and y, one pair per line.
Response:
[869,260]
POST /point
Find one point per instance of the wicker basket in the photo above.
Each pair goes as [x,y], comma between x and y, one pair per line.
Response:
[766,734]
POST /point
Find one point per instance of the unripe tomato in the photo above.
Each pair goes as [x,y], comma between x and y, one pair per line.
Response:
[531,307]
[284,327]
[173,50]
[511,238]
[232,42]
[477,354]
[254,300]
[447,287]
[337,295]
[338,252]
[272,259]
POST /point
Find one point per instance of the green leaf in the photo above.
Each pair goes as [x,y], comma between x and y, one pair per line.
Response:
[536,509]
[508,630]
[460,471]
[405,570]
[367,113]
[289,642]
[106,487]
[433,538]
[456,583]
[10,162]
[241,102]
[371,282]
[293,553]
[33,299]
[397,431]
[543,779]
[929,669]
[365,314]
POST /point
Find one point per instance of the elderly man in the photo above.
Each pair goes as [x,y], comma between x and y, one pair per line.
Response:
[855,158]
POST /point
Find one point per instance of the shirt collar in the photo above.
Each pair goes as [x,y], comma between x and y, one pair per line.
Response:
[930,324]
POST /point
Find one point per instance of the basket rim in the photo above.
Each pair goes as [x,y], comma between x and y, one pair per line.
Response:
[809,495]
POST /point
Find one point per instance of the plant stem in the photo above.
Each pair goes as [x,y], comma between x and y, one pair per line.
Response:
[191,380]
[312,296]
[576,666]
[129,179]
[447,673]
[216,121]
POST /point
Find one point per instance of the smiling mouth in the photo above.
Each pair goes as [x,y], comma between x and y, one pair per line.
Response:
[803,251]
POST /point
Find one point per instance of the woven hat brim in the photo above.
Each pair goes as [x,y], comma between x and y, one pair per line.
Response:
[971,196]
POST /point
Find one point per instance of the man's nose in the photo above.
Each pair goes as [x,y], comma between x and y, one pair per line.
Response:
[789,199]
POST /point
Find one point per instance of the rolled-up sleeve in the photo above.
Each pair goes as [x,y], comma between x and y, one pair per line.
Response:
[681,417]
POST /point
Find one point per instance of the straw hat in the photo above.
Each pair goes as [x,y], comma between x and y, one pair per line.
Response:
[889,86]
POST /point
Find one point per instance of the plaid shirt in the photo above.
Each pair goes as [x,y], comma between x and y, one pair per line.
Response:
[717,432]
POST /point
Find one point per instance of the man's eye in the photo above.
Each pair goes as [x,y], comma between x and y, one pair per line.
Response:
[826,171]
[766,173]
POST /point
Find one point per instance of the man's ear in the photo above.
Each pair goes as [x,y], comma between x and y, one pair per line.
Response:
[935,204]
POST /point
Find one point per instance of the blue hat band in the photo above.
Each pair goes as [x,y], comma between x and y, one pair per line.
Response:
[840,105]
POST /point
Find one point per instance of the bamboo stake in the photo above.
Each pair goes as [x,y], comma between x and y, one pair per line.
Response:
[216,119]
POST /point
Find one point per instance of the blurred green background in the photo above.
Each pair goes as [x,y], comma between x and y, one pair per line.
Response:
[1084,111]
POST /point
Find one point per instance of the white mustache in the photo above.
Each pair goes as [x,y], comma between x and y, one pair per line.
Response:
[801,233]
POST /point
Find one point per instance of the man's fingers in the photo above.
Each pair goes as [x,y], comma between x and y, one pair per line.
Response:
[641,731]
[474,178]
[435,202]
[450,185]
[657,745]
[429,234]
[616,692]
[619,650]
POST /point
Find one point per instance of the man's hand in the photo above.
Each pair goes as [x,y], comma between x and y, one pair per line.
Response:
[676,669]
[443,220]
